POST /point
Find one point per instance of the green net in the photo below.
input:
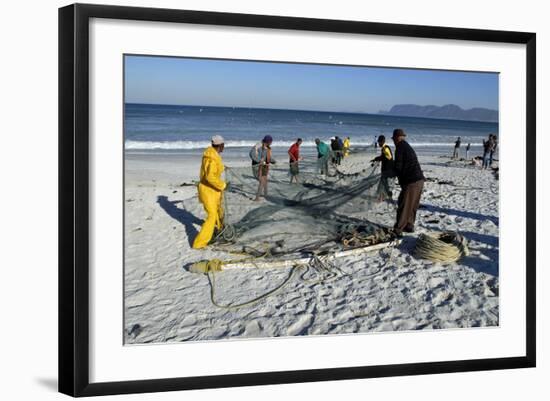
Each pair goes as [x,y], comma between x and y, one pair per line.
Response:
[321,213]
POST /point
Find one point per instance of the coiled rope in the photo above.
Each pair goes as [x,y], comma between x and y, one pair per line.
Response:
[445,247]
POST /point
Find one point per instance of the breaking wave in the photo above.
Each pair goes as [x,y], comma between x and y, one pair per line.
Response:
[185,145]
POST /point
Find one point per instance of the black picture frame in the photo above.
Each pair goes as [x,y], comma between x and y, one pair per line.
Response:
[74,198]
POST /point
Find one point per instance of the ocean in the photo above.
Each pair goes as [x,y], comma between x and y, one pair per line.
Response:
[183,128]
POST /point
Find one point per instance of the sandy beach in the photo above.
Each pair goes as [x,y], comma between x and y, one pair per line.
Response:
[385,290]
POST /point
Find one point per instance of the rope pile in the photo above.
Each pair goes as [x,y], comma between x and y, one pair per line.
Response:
[446,247]
[354,236]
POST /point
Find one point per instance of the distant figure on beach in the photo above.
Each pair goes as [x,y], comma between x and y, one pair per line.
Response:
[323,154]
[375,142]
[468,151]
[456,152]
[387,169]
[346,146]
[261,159]
[488,146]
[411,179]
[333,148]
[338,151]
[211,187]
[493,150]
[294,159]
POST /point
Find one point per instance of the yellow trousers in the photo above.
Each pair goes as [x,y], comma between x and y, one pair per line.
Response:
[211,200]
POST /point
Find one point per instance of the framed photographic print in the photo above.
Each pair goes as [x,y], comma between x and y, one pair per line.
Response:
[250,199]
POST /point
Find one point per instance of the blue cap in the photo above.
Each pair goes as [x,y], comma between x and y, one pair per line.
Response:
[267,139]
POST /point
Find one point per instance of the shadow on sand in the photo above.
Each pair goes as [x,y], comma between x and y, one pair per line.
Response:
[461,213]
[481,265]
[181,215]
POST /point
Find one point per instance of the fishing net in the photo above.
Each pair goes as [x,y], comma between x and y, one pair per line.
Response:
[320,214]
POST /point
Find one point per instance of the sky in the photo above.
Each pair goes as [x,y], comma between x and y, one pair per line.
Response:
[203,82]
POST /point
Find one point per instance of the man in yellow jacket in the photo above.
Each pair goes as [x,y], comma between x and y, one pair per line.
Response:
[211,189]
[346,146]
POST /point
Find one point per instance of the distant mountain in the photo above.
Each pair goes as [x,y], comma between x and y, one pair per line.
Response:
[450,111]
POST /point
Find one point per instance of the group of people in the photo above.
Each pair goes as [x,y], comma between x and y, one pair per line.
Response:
[404,166]
[489,148]
[261,157]
[340,149]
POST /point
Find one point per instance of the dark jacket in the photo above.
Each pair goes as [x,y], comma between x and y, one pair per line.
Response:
[407,168]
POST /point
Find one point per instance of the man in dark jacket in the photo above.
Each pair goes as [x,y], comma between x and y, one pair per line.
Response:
[411,179]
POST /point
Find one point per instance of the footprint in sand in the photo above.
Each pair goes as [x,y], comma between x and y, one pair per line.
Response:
[300,326]
[252,329]
[441,297]
[436,282]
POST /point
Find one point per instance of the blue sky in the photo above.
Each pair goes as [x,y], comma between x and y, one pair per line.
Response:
[183,81]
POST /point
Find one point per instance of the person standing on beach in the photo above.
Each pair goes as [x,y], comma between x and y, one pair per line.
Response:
[334,149]
[323,153]
[211,187]
[487,147]
[339,149]
[261,159]
[294,159]
[411,179]
[386,170]
[346,146]
[256,153]
[468,151]
[375,142]
[456,154]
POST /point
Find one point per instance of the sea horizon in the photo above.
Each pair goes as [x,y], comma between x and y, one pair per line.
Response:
[306,110]
[188,127]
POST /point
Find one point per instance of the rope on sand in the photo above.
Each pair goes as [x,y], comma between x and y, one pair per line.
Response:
[212,280]
[328,272]
[445,247]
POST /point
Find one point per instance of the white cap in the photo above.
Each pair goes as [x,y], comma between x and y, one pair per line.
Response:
[332,138]
[217,140]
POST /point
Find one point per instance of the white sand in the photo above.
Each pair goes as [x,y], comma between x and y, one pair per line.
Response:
[383,291]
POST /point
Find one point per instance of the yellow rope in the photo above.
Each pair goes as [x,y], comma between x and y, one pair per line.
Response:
[205,266]
[445,247]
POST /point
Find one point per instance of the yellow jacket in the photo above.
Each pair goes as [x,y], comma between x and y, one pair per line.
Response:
[346,147]
[211,188]
[386,152]
[211,171]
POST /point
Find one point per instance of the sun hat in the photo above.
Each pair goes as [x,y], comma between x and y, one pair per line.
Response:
[217,140]
[267,139]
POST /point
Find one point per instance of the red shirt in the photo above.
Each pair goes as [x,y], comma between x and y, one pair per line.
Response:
[294,152]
